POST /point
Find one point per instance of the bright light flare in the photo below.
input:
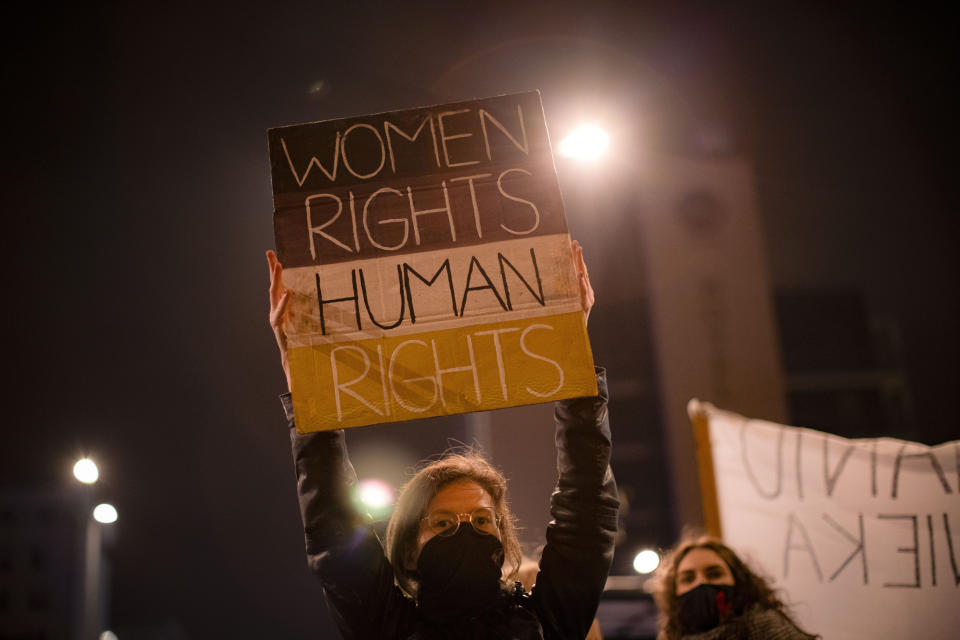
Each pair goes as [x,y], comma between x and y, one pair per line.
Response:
[86,471]
[587,142]
[375,494]
[108,635]
[646,561]
[105,513]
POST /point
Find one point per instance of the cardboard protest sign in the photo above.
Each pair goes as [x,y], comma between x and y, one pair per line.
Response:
[429,264]
[862,535]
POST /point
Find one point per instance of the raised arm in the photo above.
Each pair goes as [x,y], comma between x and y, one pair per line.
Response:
[325,476]
[584,506]
[342,549]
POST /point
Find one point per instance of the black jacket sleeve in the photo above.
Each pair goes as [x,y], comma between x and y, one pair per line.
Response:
[584,506]
[342,549]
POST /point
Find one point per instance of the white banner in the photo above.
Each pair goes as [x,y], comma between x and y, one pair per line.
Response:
[862,536]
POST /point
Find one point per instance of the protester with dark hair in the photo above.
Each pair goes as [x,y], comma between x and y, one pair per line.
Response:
[706,592]
[452,549]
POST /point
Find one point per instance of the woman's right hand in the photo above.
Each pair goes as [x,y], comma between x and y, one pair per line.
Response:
[587,298]
[279,295]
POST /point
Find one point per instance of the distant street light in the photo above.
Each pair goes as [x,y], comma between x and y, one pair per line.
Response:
[375,494]
[105,513]
[86,471]
[587,142]
[646,561]
[89,622]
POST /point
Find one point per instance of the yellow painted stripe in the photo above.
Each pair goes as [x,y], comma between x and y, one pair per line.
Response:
[475,368]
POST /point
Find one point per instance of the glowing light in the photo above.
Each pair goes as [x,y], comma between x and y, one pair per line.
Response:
[108,635]
[587,142]
[375,494]
[105,513]
[646,561]
[86,471]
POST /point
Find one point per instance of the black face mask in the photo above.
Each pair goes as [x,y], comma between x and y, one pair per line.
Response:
[460,574]
[705,606]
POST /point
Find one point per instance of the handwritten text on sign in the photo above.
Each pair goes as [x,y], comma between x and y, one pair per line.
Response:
[863,535]
[429,263]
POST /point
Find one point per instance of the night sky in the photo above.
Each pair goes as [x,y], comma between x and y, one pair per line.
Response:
[137,203]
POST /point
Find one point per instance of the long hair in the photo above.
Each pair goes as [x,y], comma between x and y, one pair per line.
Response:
[750,589]
[404,525]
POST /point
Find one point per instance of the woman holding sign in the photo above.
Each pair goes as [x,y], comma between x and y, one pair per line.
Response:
[706,592]
[452,553]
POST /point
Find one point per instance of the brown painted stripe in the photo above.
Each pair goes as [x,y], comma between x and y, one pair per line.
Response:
[524,199]
[350,151]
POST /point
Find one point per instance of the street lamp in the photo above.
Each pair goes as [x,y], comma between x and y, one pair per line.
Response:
[646,561]
[376,496]
[85,470]
[586,143]
[105,513]
[93,610]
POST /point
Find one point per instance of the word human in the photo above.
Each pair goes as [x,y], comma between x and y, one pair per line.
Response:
[439,129]
[477,280]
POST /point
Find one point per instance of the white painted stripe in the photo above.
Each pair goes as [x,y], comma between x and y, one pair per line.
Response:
[433,305]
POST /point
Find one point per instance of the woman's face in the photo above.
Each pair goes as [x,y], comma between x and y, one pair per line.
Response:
[702,566]
[458,497]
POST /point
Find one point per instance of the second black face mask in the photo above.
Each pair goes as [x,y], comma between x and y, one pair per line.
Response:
[460,574]
[705,607]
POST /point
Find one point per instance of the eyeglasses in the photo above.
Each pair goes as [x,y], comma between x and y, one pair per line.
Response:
[444,523]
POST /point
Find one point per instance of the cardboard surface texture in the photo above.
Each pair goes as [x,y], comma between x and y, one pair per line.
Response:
[429,264]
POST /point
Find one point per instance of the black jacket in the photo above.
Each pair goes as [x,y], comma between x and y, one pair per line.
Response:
[344,552]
